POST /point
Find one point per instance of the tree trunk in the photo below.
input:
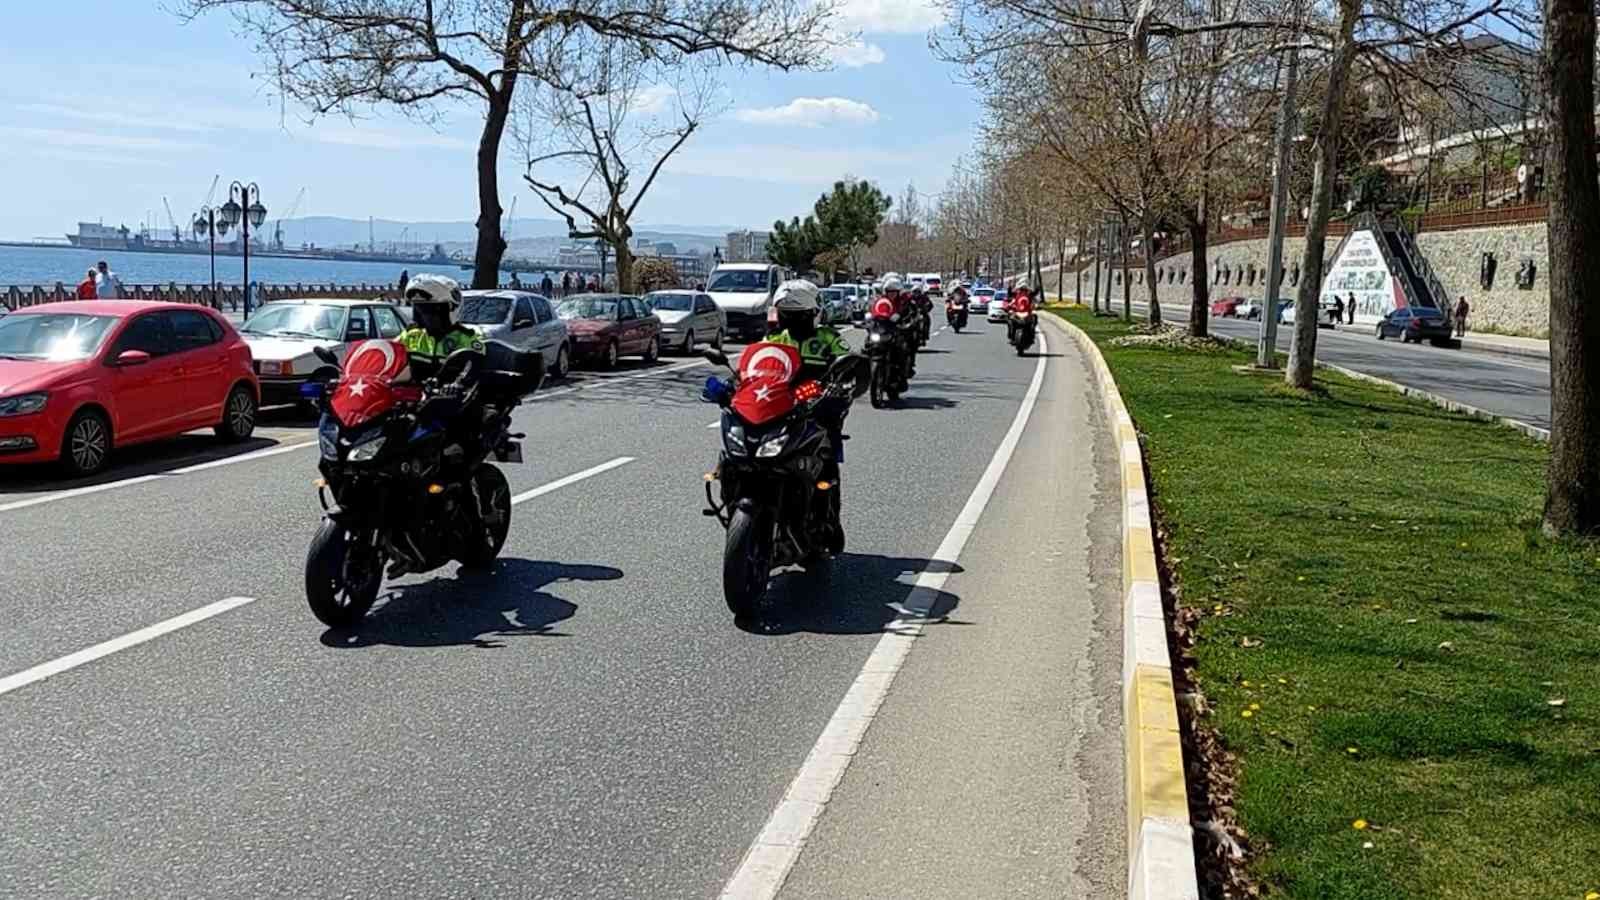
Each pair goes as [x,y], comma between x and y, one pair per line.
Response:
[1122,246]
[1303,346]
[491,245]
[1200,286]
[624,255]
[1572,504]
[1153,296]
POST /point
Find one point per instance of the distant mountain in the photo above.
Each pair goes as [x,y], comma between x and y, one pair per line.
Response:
[332,231]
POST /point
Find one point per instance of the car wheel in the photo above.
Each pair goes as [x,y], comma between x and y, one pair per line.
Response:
[238,415]
[86,445]
[716,342]
[563,362]
[612,355]
[1379,332]
[652,352]
[688,343]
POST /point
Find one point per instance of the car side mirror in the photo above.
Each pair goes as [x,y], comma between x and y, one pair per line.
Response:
[326,355]
[717,357]
[132,358]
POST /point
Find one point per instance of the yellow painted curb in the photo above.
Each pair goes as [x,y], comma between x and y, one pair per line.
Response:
[1161,860]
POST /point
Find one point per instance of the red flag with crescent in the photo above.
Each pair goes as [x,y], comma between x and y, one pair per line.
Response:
[365,389]
[766,373]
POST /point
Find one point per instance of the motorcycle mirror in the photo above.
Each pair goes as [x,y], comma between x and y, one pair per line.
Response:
[716,357]
[326,355]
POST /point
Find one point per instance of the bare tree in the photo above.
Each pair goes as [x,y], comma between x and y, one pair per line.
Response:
[1572,503]
[420,56]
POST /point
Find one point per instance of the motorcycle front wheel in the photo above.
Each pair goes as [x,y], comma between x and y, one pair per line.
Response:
[494,519]
[343,573]
[746,562]
[880,375]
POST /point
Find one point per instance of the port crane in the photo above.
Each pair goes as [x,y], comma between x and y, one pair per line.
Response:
[277,231]
[177,233]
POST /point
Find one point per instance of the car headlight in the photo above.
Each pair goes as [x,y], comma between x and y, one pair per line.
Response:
[328,438]
[733,439]
[367,449]
[772,446]
[22,404]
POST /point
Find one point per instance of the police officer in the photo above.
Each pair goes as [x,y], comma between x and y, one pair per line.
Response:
[436,334]
[819,346]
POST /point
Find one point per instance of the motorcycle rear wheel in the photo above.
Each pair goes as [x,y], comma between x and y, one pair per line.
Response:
[496,494]
[340,586]
[746,562]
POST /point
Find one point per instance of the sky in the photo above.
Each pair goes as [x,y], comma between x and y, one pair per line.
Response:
[107,106]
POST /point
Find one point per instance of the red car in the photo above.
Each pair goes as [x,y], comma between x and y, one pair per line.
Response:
[608,326]
[78,379]
[1226,307]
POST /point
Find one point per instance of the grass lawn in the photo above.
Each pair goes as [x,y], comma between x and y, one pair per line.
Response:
[1394,653]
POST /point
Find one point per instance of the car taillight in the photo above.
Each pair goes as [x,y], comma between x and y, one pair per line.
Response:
[807,391]
[1416,323]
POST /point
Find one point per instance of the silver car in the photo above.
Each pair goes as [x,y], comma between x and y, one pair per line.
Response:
[834,305]
[687,318]
[524,320]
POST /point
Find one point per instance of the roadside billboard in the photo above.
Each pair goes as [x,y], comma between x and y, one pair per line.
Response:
[1362,270]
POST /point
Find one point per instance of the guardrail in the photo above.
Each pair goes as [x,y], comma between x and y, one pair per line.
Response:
[14,297]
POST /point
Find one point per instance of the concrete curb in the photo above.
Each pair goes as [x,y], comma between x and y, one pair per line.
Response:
[1484,346]
[1161,855]
[1533,431]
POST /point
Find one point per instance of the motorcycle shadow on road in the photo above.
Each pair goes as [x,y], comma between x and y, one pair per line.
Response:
[854,593]
[481,609]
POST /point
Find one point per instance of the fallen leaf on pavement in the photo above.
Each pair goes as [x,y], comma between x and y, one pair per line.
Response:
[1248,644]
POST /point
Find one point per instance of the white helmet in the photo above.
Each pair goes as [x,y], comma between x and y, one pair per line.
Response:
[892,284]
[797,295]
[433,289]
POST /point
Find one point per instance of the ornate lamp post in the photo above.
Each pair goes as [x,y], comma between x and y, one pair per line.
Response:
[244,209]
[207,225]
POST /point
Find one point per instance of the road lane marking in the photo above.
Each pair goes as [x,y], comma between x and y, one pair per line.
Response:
[131,639]
[574,478]
[714,424]
[154,476]
[773,853]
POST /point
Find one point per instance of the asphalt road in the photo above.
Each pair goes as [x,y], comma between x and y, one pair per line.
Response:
[586,720]
[1512,387]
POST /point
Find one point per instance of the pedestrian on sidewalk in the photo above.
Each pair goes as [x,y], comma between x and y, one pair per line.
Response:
[1338,309]
[546,285]
[107,286]
[405,279]
[1462,308]
[86,286]
[566,283]
[1351,307]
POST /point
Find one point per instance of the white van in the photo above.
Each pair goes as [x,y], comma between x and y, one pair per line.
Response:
[744,292]
[932,282]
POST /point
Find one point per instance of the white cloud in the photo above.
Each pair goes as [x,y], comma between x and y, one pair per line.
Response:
[327,131]
[815,163]
[811,112]
[891,16]
[109,117]
[654,99]
[856,54]
[64,137]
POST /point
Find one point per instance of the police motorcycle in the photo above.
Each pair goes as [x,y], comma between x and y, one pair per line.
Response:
[771,489]
[408,480]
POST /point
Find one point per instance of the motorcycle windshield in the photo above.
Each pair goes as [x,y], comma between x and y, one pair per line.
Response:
[766,375]
[366,388]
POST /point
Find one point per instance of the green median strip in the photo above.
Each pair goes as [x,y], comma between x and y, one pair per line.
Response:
[1407,672]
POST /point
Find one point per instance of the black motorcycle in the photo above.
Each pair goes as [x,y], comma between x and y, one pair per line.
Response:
[779,487]
[955,314]
[888,351]
[406,478]
[1021,329]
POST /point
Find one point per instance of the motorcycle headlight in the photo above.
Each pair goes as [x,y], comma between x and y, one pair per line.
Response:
[328,438]
[367,449]
[875,337]
[733,439]
[22,404]
[772,446]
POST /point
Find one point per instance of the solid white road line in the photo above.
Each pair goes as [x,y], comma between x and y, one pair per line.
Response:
[574,478]
[773,853]
[134,638]
[141,479]
[259,454]
[714,424]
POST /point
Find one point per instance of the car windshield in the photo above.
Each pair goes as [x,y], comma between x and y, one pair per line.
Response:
[983,292]
[484,310]
[589,308]
[832,296]
[670,302]
[739,281]
[58,337]
[308,320]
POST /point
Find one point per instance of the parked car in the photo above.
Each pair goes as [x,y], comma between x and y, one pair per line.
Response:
[284,336]
[1325,309]
[606,327]
[1248,309]
[687,318]
[80,379]
[834,308]
[523,319]
[1416,323]
[1226,306]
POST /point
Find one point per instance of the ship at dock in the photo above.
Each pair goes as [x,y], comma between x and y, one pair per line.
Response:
[95,236]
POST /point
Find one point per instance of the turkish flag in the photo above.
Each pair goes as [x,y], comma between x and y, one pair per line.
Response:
[365,389]
[766,371]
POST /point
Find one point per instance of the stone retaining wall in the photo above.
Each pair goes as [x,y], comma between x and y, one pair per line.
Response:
[1455,256]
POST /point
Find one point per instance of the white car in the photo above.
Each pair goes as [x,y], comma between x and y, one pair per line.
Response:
[997,309]
[284,335]
[835,306]
[980,300]
[743,291]
[1324,320]
[1249,309]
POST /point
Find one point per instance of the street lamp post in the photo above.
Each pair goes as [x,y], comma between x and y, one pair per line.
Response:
[206,224]
[244,209]
[601,247]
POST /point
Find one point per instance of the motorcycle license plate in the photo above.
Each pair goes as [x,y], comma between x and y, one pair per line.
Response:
[511,452]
